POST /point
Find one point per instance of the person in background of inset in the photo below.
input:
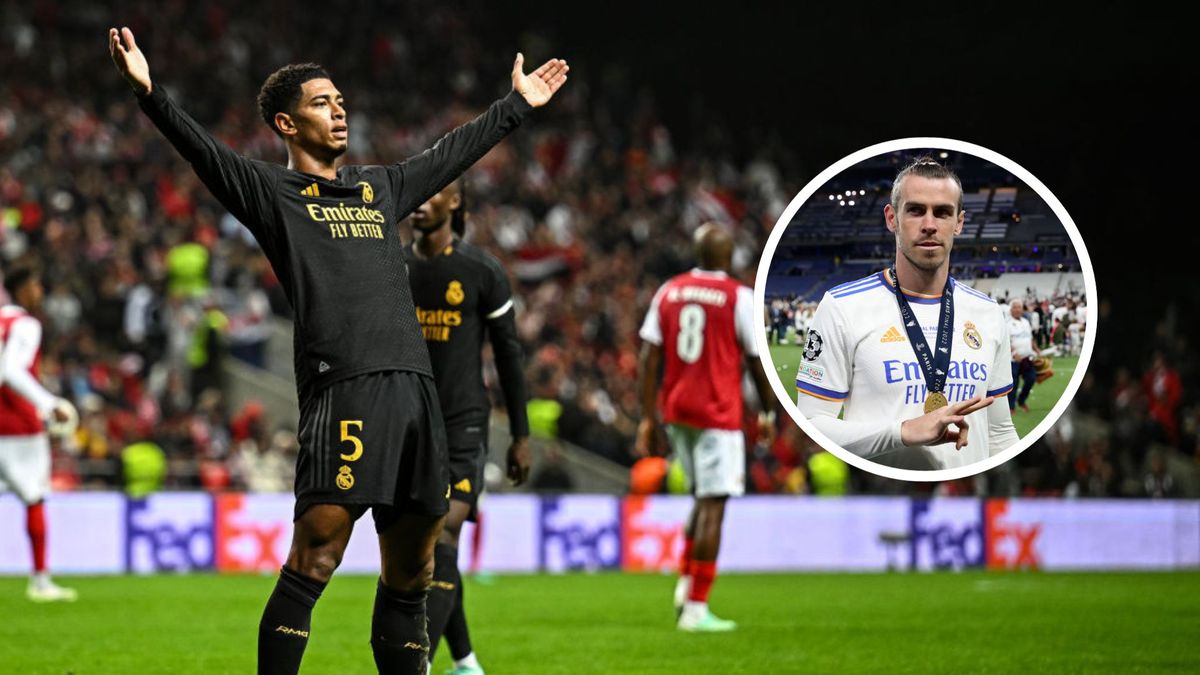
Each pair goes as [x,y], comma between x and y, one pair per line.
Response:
[779,320]
[1020,335]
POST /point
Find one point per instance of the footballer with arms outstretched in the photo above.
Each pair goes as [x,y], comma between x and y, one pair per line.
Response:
[699,332]
[911,358]
[462,293]
[371,430]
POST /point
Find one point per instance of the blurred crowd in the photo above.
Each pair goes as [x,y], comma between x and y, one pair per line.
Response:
[1059,320]
[1134,430]
[152,287]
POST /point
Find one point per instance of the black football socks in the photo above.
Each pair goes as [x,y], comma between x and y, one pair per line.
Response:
[458,638]
[398,636]
[283,630]
[443,595]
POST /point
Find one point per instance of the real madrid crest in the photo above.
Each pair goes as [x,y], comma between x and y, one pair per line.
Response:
[368,193]
[972,337]
[344,479]
[454,293]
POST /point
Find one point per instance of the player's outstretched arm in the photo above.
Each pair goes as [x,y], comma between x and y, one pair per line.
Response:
[234,180]
[934,427]
[424,175]
[130,60]
[538,87]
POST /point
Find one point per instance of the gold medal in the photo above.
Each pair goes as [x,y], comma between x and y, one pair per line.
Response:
[935,400]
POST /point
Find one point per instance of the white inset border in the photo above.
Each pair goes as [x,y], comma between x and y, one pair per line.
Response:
[1089,277]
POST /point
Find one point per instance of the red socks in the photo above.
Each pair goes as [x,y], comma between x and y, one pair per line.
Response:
[703,574]
[685,558]
[35,525]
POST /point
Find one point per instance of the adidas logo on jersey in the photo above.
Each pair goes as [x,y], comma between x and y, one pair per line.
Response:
[322,367]
[311,191]
[892,335]
[463,485]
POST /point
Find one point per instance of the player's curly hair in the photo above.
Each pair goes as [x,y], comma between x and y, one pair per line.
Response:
[18,275]
[925,167]
[281,91]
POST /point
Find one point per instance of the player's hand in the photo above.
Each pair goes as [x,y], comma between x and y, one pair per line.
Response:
[63,418]
[130,60]
[518,461]
[934,427]
[766,429]
[537,87]
[646,443]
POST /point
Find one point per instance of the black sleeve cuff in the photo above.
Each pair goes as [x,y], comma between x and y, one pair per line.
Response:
[518,103]
[156,99]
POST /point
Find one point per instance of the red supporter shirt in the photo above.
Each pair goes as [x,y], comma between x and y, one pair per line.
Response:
[20,334]
[703,320]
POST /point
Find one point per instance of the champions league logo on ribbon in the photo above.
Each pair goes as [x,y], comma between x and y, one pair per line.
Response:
[813,348]
[933,365]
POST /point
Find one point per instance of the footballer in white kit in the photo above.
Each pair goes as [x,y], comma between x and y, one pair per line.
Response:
[858,358]
[902,367]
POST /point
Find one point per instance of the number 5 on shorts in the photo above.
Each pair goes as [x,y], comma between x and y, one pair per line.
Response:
[354,440]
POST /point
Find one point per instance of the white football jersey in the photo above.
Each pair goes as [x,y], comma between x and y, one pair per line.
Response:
[858,353]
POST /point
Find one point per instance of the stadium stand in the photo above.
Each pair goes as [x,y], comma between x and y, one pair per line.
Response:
[590,210]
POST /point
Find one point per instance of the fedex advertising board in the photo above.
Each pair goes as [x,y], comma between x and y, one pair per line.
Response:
[168,532]
[85,534]
[184,532]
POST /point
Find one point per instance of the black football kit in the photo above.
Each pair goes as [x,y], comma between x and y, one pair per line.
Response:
[461,294]
[331,244]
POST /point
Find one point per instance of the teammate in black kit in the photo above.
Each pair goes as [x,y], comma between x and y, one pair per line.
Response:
[371,430]
[462,292]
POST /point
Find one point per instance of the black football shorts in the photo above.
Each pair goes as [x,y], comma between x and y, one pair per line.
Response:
[374,440]
[466,475]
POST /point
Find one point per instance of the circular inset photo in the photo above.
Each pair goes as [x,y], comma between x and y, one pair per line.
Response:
[930,309]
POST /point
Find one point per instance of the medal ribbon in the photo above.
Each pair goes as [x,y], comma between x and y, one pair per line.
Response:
[934,363]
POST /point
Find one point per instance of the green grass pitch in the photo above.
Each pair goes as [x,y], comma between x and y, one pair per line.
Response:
[972,622]
[1041,399]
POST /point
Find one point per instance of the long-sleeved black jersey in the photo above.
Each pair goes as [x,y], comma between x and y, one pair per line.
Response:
[460,294]
[331,243]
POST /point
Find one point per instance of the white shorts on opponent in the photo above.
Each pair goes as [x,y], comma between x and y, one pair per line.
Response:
[714,460]
[25,466]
